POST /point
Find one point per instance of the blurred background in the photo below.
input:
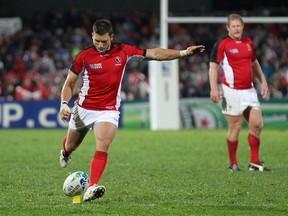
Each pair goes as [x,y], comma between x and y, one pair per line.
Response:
[38,41]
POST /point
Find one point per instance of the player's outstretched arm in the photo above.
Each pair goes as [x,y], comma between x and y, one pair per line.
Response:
[161,54]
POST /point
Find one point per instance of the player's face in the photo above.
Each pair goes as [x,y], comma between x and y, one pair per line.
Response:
[235,29]
[102,42]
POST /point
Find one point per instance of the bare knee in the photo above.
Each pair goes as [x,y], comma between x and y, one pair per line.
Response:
[235,125]
[103,143]
[256,127]
[255,122]
[233,133]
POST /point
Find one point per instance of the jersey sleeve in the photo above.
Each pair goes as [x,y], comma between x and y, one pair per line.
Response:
[77,64]
[217,53]
[134,51]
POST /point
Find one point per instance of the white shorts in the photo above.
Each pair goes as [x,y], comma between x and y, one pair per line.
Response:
[235,101]
[83,118]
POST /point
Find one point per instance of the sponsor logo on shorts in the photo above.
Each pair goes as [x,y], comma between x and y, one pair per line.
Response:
[109,107]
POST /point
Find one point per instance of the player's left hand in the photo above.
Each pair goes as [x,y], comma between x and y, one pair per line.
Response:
[265,91]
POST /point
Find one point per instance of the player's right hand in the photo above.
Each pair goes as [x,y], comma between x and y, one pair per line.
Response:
[215,95]
[192,50]
[65,111]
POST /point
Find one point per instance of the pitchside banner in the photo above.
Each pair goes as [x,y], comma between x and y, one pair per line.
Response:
[33,114]
[202,113]
[193,113]
[30,114]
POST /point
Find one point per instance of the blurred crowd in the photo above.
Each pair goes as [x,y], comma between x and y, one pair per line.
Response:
[34,61]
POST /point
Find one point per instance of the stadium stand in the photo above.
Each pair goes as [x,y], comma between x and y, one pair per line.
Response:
[34,60]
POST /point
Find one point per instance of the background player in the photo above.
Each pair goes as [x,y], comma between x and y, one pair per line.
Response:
[235,54]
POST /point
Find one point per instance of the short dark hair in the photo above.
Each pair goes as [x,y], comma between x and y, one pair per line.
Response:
[102,27]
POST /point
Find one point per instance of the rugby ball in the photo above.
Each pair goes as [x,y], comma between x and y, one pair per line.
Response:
[76,183]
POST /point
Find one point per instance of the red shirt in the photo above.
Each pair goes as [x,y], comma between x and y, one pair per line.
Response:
[235,57]
[102,75]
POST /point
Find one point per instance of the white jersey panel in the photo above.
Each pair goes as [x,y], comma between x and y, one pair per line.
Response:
[228,72]
[85,87]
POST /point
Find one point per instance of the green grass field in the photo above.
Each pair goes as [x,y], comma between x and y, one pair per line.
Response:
[148,173]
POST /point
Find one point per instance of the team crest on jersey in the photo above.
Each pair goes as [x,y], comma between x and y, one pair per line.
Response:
[118,61]
[234,51]
[96,66]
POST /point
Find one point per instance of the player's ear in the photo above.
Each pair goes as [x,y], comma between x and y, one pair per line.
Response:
[112,37]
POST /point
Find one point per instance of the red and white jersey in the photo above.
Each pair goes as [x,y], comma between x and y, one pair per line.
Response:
[102,75]
[235,57]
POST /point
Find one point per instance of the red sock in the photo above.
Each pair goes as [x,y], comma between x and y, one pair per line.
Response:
[63,147]
[254,143]
[97,166]
[232,149]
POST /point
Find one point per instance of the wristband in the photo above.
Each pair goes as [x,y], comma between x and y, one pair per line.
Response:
[64,106]
[182,53]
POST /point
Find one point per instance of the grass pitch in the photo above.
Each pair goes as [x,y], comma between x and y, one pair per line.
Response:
[148,173]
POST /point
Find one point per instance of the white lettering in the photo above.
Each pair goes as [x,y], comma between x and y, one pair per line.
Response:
[11,112]
[43,114]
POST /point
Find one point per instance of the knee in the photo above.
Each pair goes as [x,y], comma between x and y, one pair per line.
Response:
[235,129]
[256,126]
[106,142]
[233,133]
[103,143]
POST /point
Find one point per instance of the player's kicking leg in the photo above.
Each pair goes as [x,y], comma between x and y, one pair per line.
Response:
[70,144]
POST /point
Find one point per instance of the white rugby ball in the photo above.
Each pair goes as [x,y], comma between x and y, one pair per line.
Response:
[76,183]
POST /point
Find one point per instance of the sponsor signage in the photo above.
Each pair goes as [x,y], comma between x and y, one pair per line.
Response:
[30,114]
[193,113]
